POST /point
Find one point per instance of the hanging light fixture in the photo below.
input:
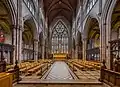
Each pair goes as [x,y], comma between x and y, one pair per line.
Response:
[60,2]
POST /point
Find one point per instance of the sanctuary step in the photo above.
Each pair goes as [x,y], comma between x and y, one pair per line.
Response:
[60,85]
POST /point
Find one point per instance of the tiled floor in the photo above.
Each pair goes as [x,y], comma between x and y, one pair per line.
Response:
[59,71]
[88,74]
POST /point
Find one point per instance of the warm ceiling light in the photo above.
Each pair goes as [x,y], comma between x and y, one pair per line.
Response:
[60,2]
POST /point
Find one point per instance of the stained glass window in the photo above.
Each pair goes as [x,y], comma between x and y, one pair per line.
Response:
[60,38]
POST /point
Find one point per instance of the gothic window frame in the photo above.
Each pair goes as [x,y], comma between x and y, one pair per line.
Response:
[60,35]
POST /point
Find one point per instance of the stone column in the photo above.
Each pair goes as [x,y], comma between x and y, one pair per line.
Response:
[103,42]
[43,48]
[70,46]
[105,46]
[20,44]
[50,46]
[76,48]
[17,33]
[76,51]
[84,48]
[17,42]
[35,50]
[46,48]
[14,42]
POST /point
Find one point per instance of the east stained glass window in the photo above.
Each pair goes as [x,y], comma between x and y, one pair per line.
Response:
[60,38]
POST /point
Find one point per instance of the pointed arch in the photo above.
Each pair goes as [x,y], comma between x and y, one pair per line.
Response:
[59,38]
[33,24]
[62,21]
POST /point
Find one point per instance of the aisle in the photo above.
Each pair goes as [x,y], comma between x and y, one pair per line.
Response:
[59,71]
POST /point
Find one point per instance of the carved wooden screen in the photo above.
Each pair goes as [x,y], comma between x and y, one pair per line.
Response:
[114,51]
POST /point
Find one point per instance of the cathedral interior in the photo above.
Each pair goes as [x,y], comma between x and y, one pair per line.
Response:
[59,43]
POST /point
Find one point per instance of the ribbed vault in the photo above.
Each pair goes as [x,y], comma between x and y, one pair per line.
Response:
[61,8]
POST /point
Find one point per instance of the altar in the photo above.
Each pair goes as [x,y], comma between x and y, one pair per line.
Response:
[60,56]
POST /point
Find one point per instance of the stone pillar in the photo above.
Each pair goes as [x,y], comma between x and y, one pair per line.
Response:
[84,48]
[14,42]
[46,48]
[43,48]
[76,51]
[17,33]
[103,42]
[17,42]
[70,44]
[105,45]
[20,44]
[73,53]
[70,47]
[50,46]
[76,48]
[35,50]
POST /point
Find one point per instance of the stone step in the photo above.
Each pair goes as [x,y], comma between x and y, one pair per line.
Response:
[58,85]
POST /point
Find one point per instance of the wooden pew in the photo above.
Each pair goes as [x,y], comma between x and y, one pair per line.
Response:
[78,66]
[85,65]
[43,69]
[35,69]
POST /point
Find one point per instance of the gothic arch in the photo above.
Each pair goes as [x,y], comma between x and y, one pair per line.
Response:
[7,19]
[109,21]
[7,25]
[87,25]
[62,19]
[107,15]
[34,25]
[11,7]
[55,23]
[59,38]
[92,36]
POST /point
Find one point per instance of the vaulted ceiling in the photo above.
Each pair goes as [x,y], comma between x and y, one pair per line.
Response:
[60,8]
[5,17]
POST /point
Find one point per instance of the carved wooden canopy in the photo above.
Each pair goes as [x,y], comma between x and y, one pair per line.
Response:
[60,8]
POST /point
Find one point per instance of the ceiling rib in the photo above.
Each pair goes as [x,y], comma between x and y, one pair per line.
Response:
[59,8]
[52,5]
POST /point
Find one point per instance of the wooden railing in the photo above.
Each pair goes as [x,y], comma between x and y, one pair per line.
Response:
[15,75]
[14,72]
[110,77]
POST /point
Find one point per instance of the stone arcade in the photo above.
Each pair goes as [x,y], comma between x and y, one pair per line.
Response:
[59,43]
